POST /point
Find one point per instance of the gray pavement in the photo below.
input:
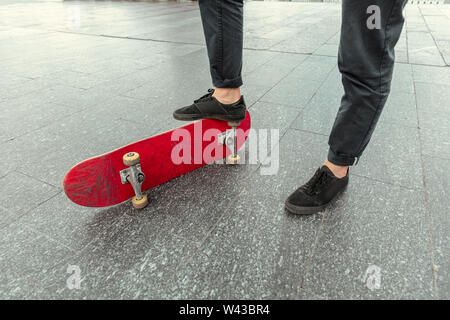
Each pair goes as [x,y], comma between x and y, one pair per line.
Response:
[79,78]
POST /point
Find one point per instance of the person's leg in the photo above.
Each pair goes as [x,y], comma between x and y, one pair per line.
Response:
[370,30]
[223,28]
[366,62]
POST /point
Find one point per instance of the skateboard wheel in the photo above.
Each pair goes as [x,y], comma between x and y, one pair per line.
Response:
[233,160]
[139,204]
[131,158]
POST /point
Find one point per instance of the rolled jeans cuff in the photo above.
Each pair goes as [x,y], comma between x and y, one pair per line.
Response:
[228,83]
[341,160]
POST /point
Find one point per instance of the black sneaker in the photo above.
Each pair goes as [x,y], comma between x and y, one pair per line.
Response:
[208,107]
[317,193]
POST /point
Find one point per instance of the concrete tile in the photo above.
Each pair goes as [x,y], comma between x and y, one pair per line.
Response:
[376,225]
[422,49]
[327,49]
[252,93]
[15,187]
[401,56]
[400,108]
[402,79]
[26,259]
[32,70]
[432,104]
[74,79]
[72,225]
[268,75]
[47,156]
[12,287]
[176,77]
[293,60]
[441,35]
[253,59]
[437,179]
[392,156]
[136,263]
[24,115]
[431,74]
[268,266]
[305,43]
[68,96]
[277,245]
[259,43]
[290,92]
[7,216]
[435,143]
[6,166]
[281,116]
[26,86]
[314,68]
[319,114]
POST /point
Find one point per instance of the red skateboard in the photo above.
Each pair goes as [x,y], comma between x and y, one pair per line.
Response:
[126,172]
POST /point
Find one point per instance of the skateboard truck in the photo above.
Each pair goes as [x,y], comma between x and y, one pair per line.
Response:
[233,158]
[134,176]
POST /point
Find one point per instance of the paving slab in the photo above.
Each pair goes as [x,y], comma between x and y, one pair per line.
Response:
[279,244]
[295,94]
[431,74]
[69,224]
[432,103]
[444,49]
[402,79]
[393,151]
[400,108]
[381,226]
[437,182]
[135,262]
[72,89]
[268,74]
[22,116]
[422,49]
[16,186]
[26,259]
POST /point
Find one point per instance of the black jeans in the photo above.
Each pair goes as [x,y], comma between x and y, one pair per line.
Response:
[369,32]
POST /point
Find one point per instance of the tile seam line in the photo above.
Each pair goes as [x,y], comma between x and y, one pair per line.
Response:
[70,114]
[37,179]
[432,36]
[386,182]
[426,202]
[312,254]
[245,48]
[407,40]
[20,215]
[198,245]
[50,239]
[436,157]
[310,258]
[321,83]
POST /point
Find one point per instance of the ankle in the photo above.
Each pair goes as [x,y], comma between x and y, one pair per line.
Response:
[338,171]
[227,95]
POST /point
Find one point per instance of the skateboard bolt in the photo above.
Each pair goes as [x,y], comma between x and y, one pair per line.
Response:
[130,154]
[229,141]
[141,177]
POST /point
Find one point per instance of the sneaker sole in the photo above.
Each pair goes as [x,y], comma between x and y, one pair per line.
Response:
[303,210]
[193,117]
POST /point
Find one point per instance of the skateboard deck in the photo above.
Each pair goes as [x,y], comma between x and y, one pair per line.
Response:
[99,181]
